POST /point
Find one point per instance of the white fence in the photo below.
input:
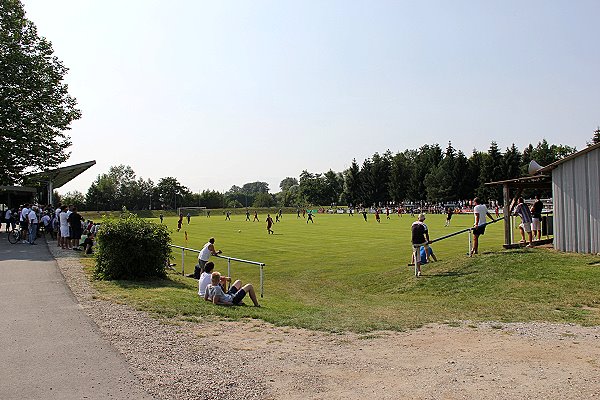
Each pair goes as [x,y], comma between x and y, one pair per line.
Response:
[229,260]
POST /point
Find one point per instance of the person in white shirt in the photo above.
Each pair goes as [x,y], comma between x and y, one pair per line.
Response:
[57,217]
[32,219]
[23,221]
[205,277]
[64,228]
[8,218]
[206,252]
[480,211]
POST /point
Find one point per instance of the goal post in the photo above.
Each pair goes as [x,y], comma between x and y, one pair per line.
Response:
[194,211]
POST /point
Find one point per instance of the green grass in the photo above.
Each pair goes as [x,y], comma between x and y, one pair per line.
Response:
[343,274]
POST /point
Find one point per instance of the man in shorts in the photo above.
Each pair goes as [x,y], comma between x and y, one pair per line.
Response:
[536,221]
[525,226]
[420,237]
[480,211]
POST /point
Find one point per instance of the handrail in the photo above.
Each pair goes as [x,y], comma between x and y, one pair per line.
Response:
[229,259]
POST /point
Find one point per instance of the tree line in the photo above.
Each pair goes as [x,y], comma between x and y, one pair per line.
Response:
[428,174]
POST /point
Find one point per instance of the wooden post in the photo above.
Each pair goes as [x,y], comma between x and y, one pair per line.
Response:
[506,214]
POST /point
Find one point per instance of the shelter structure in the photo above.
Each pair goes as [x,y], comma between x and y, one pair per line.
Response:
[537,182]
[576,198]
[40,186]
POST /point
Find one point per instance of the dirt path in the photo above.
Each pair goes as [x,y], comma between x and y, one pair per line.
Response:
[251,359]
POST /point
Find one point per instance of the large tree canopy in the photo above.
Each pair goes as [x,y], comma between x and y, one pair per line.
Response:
[35,107]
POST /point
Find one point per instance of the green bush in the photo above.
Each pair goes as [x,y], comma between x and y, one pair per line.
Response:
[131,248]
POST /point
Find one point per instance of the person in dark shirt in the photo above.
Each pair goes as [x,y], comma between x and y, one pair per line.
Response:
[88,244]
[74,220]
[536,222]
[420,237]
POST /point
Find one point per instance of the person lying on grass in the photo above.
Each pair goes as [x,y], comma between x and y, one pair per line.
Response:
[233,297]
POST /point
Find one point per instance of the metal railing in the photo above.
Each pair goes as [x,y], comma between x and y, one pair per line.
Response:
[229,260]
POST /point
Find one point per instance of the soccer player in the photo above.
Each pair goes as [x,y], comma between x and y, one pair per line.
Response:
[310,217]
[247,215]
[227,216]
[188,218]
[180,222]
[255,217]
[449,213]
[377,216]
[269,224]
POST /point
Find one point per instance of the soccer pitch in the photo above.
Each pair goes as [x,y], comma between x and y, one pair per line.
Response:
[335,270]
[344,274]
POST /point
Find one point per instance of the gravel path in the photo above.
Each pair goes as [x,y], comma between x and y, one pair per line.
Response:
[177,359]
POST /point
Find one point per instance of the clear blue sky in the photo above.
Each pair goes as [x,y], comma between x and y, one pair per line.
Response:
[227,92]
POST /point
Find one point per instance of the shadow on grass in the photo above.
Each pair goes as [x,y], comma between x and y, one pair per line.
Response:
[153,284]
[447,274]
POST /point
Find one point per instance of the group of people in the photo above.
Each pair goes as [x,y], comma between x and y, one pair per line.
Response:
[422,252]
[212,286]
[531,219]
[63,223]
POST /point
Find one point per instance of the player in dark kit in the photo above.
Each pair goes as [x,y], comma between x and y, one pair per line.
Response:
[269,224]
[310,217]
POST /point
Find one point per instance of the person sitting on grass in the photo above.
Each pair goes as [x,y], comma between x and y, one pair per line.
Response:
[233,297]
[205,278]
[88,244]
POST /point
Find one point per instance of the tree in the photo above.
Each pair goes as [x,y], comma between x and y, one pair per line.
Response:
[440,183]
[35,107]
[399,173]
[491,171]
[333,187]
[74,198]
[380,172]
[256,187]
[511,163]
[263,200]
[595,138]
[287,183]
[212,199]
[352,183]
[171,193]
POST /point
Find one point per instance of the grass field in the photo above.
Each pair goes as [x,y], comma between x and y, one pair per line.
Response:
[342,273]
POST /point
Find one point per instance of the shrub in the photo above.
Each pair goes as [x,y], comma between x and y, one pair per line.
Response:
[131,248]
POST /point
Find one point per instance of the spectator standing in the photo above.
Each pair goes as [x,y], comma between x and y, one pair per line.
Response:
[32,220]
[480,211]
[525,226]
[57,219]
[8,219]
[419,237]
[74,220]
[23,221]
[64,228]
[207,251]
[536,221]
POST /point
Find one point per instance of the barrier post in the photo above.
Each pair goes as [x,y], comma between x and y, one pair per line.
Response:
[229,267]
[261,280]
[182,261]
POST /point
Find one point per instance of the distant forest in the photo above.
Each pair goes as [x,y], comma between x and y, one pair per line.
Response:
[428,174]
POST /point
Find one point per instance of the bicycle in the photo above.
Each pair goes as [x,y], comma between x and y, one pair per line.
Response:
[14,236]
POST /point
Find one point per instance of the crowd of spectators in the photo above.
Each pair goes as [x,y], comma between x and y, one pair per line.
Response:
[63,224]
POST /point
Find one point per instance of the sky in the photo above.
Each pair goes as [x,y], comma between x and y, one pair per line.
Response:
[221,93]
